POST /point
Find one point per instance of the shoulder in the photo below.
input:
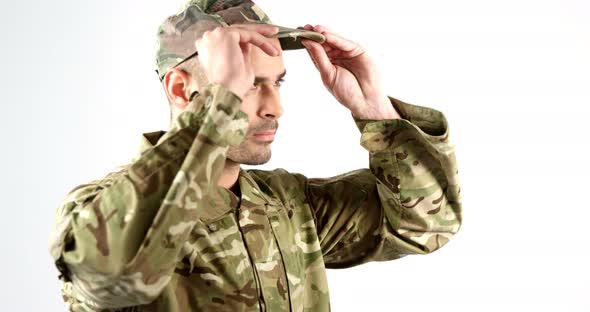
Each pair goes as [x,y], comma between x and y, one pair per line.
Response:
[280,183]
[278,175]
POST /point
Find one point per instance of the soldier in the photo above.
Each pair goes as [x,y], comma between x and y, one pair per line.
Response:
[183,227]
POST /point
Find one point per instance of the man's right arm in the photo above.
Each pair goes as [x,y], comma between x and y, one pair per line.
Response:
[116,241]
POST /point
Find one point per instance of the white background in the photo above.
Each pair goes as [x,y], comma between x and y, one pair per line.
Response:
[78,88]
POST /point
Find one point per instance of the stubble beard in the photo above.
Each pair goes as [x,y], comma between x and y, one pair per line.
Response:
[250,153]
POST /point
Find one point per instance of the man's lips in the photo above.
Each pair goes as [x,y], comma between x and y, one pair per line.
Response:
[265,135]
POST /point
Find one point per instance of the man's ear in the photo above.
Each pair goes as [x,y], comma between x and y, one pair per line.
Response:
[177,84]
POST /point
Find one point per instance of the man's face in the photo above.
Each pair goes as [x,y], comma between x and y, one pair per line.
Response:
[262,104]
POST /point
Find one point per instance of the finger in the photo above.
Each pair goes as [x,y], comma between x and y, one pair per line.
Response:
[341,43]
[334,53]
[310,28]
[266,30]
[262,28]
[322,29]
[320,59]
[257,39]
[311,57]
[335,40]
[327,32]
[328,48]
[246,49]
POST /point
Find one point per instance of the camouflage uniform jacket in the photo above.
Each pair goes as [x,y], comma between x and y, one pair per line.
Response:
[160,235]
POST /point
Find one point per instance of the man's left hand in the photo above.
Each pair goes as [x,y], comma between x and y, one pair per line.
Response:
[350,75]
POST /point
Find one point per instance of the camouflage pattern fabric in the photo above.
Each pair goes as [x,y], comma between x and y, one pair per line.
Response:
[178,33]
[158,234]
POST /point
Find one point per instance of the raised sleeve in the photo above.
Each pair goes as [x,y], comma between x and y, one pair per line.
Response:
[406,202]
[116,240]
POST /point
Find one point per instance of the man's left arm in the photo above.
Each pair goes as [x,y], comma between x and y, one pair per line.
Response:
[406,202]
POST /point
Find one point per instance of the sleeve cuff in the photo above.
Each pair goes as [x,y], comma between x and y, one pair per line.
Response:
[199,106]
[429,123]
[215,108]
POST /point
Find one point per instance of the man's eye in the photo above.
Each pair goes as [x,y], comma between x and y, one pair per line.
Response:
[278,83]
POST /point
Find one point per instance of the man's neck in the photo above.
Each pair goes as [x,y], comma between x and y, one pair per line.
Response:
[229,176]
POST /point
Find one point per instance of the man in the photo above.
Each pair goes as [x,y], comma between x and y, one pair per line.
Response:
[184,228]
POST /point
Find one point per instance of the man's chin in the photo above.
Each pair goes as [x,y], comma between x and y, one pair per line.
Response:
[255,163]
[252,162]
[246,157]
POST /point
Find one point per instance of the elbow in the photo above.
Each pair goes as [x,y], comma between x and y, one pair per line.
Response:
[432,241]
[109,282]
[430,233]
[439,234]
[94,256]
[101,291]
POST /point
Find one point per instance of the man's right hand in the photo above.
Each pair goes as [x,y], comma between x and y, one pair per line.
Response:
[224,54]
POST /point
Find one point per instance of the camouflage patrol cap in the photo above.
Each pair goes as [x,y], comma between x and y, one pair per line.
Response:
[178,33]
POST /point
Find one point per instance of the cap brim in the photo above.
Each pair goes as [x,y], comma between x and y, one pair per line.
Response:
[290,38]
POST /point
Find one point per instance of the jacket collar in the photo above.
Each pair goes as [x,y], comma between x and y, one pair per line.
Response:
[149,139]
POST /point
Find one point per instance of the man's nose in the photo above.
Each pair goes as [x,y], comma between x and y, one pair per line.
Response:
[270,103]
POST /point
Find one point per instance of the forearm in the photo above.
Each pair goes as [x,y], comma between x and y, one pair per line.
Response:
[118,240]
[381,111]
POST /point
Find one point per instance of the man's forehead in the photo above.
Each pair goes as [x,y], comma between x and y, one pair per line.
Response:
[269,67]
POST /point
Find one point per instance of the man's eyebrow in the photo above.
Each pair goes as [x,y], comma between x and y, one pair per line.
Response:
[261,79]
